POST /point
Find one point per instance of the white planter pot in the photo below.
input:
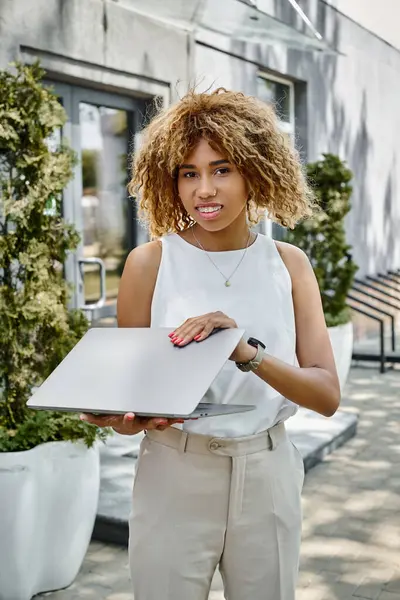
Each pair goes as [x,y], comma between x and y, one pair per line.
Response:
[122,445]
[342,344]
[48,505]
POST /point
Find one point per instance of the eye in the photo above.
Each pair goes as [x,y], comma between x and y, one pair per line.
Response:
[189,175]
[223,171]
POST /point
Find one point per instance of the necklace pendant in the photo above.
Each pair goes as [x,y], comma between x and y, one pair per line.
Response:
[227,283]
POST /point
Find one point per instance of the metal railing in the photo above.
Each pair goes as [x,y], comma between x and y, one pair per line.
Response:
[95,311]
[388,277]
[362,356]
[382,283]
[380,294]
[382,312]
[376,288]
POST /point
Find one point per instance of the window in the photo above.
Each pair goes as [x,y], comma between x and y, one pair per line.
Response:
[279,93]
[100,127]
[104,137]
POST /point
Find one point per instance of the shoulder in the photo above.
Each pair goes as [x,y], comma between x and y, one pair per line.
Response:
[304,283]
[142,265]
[145,258]
[296,261]
[137,285]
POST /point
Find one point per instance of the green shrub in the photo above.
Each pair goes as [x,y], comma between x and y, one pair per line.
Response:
[323,237]
[36,328]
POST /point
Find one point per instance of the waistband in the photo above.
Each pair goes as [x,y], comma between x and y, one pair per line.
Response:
[203,444]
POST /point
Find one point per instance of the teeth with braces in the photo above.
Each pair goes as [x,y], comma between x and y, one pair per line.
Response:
[209,209]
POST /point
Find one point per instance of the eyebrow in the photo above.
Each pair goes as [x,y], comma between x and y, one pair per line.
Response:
[214,163]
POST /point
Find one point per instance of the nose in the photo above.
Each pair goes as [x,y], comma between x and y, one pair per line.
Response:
[205,189]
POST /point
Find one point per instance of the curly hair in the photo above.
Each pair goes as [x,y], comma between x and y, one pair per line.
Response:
[241,127]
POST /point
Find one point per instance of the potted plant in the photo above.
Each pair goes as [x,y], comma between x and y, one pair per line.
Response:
[323,239]
[49,463]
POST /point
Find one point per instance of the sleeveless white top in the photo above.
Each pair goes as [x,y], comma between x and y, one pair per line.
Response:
[259,300]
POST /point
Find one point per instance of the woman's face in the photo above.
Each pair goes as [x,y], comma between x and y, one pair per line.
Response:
[211,188]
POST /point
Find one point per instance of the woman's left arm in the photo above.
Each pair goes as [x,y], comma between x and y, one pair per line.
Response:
[315,383]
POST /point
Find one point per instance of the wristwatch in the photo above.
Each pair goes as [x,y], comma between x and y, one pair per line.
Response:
[253,364]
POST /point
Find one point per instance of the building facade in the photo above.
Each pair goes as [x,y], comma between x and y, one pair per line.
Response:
[332,68]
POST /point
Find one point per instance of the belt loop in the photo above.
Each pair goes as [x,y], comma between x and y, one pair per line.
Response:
[183,442]
[276,434]
[272,439]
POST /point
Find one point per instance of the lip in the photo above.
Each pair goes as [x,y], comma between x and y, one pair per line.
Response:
[208,204]
[212,215]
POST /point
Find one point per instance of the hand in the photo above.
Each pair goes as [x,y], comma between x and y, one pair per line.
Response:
[199,328]
[129,424]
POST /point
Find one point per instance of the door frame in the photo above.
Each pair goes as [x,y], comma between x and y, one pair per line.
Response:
[72,95]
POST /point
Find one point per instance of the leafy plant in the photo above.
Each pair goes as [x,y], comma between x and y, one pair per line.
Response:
[323,237]
[36,328]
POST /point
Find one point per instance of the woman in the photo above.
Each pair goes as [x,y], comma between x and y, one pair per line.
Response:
[223,491]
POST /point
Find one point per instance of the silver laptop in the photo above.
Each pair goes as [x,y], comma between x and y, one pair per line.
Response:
[115,371]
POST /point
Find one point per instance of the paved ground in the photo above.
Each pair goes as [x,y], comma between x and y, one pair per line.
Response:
[351,541]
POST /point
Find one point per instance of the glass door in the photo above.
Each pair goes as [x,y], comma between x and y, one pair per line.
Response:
[106,235]
[101,128]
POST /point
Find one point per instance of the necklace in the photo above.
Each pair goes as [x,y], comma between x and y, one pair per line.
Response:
[227,279]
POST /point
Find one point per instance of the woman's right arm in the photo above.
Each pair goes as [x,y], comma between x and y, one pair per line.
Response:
[135,296]
[137,285]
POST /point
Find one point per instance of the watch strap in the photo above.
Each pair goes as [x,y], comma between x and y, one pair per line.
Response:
[253,364]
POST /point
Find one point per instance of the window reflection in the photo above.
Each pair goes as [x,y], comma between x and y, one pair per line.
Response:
[104,146]
[276,93]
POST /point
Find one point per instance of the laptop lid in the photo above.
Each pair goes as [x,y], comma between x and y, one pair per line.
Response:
[112,370]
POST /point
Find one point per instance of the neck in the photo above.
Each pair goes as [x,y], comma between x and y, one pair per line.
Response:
[234,237]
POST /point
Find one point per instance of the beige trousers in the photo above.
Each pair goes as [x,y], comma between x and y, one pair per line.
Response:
[200,502]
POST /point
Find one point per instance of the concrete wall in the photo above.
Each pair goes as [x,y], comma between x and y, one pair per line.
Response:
[95,42]
[381,18]
[351,109]
[346,103]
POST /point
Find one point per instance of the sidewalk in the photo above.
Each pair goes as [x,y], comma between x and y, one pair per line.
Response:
[351,540]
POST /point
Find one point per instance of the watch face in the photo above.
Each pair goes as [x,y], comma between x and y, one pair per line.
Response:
[254,342]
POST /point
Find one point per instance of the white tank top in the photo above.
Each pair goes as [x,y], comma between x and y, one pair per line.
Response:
[259,300]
